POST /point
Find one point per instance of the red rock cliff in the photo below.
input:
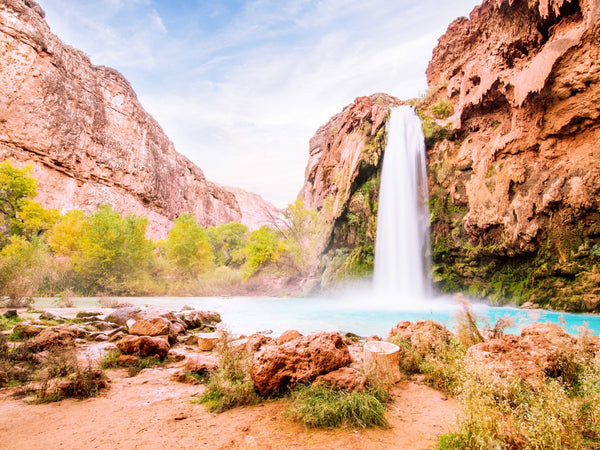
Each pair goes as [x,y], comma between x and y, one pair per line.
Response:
[89,138]
[515,186]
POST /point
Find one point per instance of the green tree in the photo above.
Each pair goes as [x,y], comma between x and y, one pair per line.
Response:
[16,186]
[114,254]
[32,219]
[265,247]
[23,265]
[64,238]
[301,228]
[187,246]
[228,242]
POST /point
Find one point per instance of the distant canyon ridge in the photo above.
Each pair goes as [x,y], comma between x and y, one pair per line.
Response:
[89,139]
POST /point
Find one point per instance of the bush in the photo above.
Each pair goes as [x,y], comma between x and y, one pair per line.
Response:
[442,109]
[65,299]
[318,406]
[63,377]
[230,385]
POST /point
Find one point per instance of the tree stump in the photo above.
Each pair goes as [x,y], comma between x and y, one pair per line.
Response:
[382,360]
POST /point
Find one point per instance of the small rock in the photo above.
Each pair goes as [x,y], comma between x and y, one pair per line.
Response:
[11,314]
[98,337]
[127,360]
[201,363]
[373,337]
[179,376]
[48,315]
[344,378]
[207,341]
[117,336]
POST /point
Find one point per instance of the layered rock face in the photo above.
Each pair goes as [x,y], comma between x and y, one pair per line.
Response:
[90,140]
[515,186]
[342,182]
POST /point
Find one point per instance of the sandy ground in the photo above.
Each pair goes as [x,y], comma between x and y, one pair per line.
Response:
[151,411]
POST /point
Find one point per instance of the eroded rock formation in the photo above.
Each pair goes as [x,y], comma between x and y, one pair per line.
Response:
[90,140]
[515,186]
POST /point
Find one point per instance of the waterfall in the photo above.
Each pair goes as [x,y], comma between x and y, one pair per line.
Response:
[402,245]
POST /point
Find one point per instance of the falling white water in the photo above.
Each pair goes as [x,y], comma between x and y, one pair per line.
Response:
[401,248]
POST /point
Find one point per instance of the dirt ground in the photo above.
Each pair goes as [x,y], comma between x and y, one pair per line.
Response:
[152,411]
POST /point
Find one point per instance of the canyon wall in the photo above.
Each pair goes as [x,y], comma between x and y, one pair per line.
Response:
[515,174]
[512,126]
[87,135]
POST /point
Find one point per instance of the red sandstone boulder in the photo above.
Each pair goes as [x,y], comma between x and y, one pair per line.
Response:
[120,316]
[51,338]
[541,349]
[144,346]
[201,363]
[345,378]
[288,336]
[156,326]
[298,361]
[127,360]
[423,335]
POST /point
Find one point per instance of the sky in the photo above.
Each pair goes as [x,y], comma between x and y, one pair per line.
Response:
[240,86]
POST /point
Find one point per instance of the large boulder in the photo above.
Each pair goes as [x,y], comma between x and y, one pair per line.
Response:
[298,361]
[156,326]
[120,316]
[424,335]
[144,346]
[542,349]
[51,338]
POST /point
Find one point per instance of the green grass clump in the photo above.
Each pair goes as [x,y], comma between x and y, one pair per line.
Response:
[224,393]
[318,406]
[110,359]
[230,385]
[8,323]
[442,109]
[144,363]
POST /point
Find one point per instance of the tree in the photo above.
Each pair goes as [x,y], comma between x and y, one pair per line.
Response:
[301,228]
[228,241]
[114,253]
[16,185]
[264,247]
[187,246]
[64,238]
[22,269]
[32,219]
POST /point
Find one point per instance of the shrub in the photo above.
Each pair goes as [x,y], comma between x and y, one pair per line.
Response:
[108,302]
[65,299]
[322,407]
[230,385]
[110,359]
[442,109]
